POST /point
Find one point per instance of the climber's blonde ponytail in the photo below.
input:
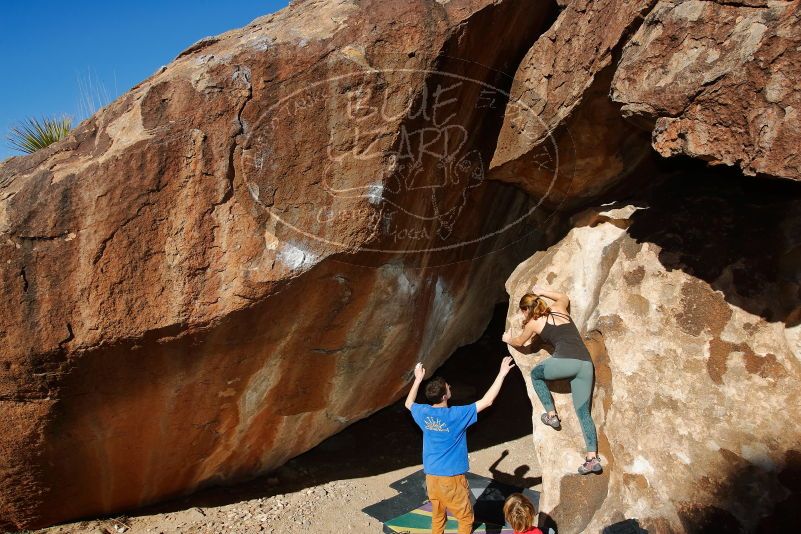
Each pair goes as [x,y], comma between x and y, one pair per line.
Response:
[533,307]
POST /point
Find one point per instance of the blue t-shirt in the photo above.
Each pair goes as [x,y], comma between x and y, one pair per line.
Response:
[444,438]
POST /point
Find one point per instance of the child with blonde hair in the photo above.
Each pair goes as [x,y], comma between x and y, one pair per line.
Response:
[520,514]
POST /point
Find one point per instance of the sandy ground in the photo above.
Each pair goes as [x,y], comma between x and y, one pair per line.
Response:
[265,507]
[326,489]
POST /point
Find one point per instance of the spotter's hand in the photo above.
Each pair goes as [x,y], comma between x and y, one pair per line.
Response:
[506,365]
[419,371]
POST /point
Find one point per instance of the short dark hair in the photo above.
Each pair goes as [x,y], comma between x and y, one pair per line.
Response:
[435,389]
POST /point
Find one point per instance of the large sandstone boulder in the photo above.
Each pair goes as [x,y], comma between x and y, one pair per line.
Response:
[696,289]
[251,249]
[563,140]
[718,81]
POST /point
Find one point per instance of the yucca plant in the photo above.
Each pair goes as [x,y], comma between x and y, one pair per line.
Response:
[32,134]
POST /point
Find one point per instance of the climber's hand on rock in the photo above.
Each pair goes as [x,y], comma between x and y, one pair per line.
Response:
[537,290]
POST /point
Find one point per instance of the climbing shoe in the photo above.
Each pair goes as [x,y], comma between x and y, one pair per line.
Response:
[551,421]
[593,465]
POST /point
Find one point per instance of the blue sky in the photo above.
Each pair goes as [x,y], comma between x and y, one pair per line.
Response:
[55,52]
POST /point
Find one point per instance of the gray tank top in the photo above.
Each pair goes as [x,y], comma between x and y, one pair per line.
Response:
[565,338]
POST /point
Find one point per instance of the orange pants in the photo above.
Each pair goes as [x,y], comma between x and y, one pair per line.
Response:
[451,494]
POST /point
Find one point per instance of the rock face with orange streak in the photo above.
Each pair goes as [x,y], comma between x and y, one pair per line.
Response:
[698,368]
[250,250]
[718,81]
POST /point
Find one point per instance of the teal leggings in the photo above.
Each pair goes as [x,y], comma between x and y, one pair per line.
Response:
[580,372]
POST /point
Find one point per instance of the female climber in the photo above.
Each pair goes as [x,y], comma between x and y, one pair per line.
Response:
[570,359]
